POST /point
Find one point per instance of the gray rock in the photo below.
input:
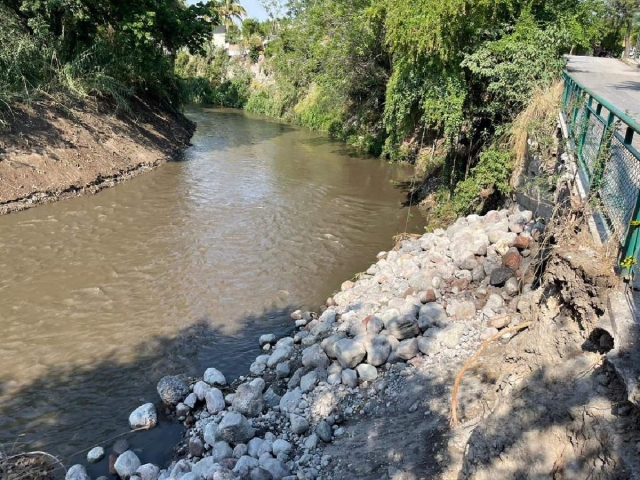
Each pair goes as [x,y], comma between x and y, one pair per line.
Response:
[95,454]
[214,377]
[271,398]
[378,350]
[144,416]
[350,352]
[500,275]
[294,381]
[334,379]
[220,451]
[375,325]
[350,378]
[400,326]
[223,474]
[191,400]
[120,446]
[276,468]
[180,468]
[248,399]
[367,372]
[215,401]
[202,468]
[235,428]
[311,442]
[309,381]
[283,370]
[432,315]
[77,472]
[127,464]
[465,310]
[245,465]
[280,354]
[200,389]
[188,476]
[148,471]
[290,401]
[315,357]
[281,446]
[261,474]
[266,447]
[512,286]
[240,450]
[172,389]
[253,447]
[267,338]
[407,349]
[182,410]
[329,343]
[334,368]
[324,432]
[299,424]
[195,446]
[211,433]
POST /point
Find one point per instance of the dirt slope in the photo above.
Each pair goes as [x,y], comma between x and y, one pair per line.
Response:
[49,152]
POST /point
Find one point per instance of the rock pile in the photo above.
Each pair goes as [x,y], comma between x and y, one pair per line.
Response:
[434,298]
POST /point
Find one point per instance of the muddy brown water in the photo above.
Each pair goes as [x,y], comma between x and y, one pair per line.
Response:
[175,271]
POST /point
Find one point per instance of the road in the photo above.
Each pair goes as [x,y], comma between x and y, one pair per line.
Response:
[610,78]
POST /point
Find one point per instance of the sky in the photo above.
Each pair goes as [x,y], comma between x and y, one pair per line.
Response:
[253,8]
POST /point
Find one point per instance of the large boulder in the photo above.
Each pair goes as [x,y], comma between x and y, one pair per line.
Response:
[315,357]
[144,416]
[350,352]
[400,326]
[432,315]
[248,399]
[127,464]
[329,343]
[235,428]
[172,389]
[378,350]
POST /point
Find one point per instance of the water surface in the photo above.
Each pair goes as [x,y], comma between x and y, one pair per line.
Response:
[178,270]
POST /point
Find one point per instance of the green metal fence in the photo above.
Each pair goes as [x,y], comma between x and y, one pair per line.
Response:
[604,139]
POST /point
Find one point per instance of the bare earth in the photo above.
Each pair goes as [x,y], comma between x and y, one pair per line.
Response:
[49,153]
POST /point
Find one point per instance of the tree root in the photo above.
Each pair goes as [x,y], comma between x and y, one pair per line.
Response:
[469,362]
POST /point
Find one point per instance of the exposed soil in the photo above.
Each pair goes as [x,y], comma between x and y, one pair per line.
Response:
[50,152]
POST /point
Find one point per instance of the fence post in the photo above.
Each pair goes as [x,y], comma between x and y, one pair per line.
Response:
[631,246]
[584,127]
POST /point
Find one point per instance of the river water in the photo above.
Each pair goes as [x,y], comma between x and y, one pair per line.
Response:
[178,270]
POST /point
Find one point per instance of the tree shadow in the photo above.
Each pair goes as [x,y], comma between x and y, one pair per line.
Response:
[70,409]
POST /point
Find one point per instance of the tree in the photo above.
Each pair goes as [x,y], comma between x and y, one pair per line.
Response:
[230,11]
[625,12]
[250,26]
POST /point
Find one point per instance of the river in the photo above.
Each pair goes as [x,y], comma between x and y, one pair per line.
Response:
[177,270]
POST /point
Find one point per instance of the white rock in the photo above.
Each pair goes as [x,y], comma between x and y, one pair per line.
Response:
[95,454]
[77,472]
[214,377]
[148,471]
[215,401]
[367,372]
[127,464]
[144,416]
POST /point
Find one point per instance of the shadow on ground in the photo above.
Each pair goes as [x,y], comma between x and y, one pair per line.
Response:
[71,409]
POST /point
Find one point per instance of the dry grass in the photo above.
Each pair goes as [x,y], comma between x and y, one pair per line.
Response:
[536,122]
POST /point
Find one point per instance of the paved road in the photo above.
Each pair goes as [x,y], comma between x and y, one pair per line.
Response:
[612,79]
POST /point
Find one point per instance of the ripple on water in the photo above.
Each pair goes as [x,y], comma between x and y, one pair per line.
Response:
[177,270]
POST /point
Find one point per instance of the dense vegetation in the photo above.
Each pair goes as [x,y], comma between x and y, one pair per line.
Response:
[110,49]
[434,82]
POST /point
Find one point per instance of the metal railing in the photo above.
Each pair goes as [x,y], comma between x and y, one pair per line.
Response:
[604,139]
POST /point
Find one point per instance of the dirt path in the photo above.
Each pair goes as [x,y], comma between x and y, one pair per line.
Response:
[49,153]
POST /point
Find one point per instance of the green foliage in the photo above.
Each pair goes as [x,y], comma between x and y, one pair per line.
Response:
[103,49]
[490,177]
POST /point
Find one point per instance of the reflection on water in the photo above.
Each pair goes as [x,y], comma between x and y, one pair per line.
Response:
[178,270]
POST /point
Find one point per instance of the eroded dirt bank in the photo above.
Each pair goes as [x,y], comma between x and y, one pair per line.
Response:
[50,152]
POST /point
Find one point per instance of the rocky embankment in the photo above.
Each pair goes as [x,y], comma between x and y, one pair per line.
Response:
[363,389]
[48,152]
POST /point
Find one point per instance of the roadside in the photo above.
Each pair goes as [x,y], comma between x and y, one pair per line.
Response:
[50,152]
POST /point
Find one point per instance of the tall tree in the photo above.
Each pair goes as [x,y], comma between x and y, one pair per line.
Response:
[230,11]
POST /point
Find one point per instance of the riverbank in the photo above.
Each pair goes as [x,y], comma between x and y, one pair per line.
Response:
[366,388]
[51,152]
